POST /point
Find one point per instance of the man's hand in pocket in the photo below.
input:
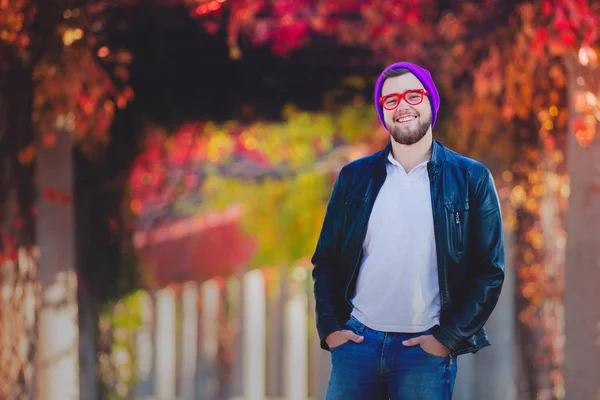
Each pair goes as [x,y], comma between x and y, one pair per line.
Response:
[429,344]
[338,338]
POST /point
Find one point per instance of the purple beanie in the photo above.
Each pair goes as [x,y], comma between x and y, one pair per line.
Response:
[423,75]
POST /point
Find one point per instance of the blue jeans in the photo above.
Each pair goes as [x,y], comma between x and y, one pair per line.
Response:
[381,367]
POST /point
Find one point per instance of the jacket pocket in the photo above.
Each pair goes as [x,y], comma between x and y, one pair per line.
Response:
[457,215]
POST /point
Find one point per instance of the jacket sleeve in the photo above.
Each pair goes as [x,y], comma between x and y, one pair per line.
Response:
[489,268]
[325,259]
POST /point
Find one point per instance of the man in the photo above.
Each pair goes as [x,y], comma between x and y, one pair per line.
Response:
[410,260]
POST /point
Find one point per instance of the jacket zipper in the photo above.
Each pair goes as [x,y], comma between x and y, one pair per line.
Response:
[443,281]
[458,240]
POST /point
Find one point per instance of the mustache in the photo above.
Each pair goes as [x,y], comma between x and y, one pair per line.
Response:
[404,114]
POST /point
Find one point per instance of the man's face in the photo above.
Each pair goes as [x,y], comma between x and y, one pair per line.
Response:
[406,123]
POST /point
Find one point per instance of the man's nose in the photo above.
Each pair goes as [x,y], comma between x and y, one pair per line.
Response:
[402,105]
[406,104]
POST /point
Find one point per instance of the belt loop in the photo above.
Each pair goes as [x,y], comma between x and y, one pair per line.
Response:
[358,326]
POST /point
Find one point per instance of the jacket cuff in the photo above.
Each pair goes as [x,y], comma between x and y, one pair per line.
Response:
[447,338]
[325,328]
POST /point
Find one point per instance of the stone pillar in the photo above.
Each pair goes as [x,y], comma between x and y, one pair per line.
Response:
[165,345]
[498,361]
[189,341]
[465,380]
[582,271]
[254,336]
[319,359]
[296,339]
[144,354]
[276,292]
[57,371]
[208,384]
[234,388]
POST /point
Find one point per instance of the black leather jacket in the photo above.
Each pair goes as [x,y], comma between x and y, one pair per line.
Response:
[468,235]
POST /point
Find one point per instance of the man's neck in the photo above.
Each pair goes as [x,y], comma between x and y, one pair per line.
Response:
[409,156]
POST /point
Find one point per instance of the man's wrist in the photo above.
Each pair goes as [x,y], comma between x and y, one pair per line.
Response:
[325,329]
[444,337]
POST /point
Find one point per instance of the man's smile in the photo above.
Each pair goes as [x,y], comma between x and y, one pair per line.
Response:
[406,118]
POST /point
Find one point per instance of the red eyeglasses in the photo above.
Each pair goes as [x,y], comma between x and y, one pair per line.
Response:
[412,97]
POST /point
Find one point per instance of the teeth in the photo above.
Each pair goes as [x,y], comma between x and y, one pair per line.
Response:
[406,118]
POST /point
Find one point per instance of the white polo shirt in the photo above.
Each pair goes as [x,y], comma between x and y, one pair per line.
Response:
[397,288]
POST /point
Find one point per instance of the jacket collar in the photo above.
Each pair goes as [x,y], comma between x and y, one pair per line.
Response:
[438,155]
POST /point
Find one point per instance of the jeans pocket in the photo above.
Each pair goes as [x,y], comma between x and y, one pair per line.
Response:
[349,326]
[433,355]
[340,345]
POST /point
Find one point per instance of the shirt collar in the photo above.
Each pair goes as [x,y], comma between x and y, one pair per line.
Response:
[393,161]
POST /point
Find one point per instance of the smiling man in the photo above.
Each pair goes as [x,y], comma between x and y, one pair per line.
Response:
[410,260]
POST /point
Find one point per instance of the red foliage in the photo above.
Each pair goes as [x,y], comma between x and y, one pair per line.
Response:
[218,250]
[286,25]
[382,25]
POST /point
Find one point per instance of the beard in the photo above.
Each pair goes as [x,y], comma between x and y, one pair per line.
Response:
[412,135]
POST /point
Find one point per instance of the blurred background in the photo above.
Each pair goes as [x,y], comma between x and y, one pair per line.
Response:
[165,167]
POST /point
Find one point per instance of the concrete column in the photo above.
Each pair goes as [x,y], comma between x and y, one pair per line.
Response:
[189,341]
[254,336]
[582,271]
[144,354]
[165,345]
[498,361]
[234,318]
[296,339]
[208,384]
[57,371]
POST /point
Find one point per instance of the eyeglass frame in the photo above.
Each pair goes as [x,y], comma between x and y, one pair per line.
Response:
[401,96]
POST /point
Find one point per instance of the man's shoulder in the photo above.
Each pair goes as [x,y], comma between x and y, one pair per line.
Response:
[362,163]
[471,166]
